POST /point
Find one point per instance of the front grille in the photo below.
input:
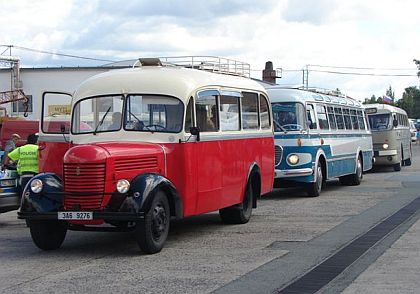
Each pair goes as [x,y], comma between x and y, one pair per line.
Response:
[83,202]
[278,151]
[135,163]
[84,178]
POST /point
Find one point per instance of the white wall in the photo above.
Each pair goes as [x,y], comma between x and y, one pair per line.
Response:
[35,81]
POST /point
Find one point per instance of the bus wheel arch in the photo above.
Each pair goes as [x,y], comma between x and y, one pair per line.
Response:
[356,178]
[241,213]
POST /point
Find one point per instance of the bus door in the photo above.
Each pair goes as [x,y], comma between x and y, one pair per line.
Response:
[208,156]
[54,131]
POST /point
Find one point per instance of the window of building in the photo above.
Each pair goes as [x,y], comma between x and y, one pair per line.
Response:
[19,106]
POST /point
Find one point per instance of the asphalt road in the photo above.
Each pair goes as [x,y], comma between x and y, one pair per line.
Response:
[288,235]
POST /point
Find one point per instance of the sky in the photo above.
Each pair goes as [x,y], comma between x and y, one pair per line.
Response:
[361,47]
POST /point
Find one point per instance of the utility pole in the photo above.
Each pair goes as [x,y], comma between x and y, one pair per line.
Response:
[305,77]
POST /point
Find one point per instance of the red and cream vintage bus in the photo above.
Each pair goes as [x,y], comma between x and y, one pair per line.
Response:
[148,144]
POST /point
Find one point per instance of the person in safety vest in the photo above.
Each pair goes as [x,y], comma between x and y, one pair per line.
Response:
[26,157]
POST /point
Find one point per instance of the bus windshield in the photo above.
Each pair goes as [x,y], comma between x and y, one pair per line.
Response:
[147,113]
[288,116]
[380,121]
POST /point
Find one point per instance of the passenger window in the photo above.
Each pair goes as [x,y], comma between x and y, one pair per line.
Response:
[361,120]
[310,112]
[322,117]
[229,113]
[339,118]
[206,112]
[331,117]
[347,119]
[189,116]
[264,114]
[249,111]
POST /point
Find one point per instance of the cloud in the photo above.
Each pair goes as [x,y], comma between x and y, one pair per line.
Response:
[290,33]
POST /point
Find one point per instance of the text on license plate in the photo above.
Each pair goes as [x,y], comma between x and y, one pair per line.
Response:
[75,215]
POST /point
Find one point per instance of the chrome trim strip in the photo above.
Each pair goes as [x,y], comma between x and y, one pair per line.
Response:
[293,173]
[54,138]
[229,136]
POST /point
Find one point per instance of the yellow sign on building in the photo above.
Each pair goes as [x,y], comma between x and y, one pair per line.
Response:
[54,110]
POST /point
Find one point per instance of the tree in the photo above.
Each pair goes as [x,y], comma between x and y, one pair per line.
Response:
[372,100]
[410,102]
[417,62]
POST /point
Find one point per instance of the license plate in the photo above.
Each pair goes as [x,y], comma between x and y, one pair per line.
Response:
[75,215]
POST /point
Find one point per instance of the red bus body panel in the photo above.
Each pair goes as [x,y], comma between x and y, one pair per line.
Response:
[208,175]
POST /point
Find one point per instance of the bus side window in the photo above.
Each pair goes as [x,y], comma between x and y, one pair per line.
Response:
[331,117]
[339,118]
[361,120]
[310,112]
[207,114]
[322,117]
[229,113]
[249,111]
[264,115]
[189,116]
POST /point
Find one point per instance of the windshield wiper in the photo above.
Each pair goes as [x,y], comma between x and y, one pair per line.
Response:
[102,120]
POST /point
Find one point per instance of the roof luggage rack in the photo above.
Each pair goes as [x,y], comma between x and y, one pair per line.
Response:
[207,63]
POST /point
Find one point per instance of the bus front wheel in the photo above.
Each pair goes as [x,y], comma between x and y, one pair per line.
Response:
[314,189]
[152,232]
[47,235]
[239,214]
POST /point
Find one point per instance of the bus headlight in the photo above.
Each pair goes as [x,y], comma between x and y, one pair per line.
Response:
[293,159]
[385,146]
[36,186]
[123,186]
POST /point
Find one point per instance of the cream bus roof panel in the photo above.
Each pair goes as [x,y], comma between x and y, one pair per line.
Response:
[173,81]
[385,108]
[278,94]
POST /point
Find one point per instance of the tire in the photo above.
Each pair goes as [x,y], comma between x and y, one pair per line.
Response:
[152,232]
[397,166]
[47,235]
[314,189]
[407,162]
[356,178]
[241,214]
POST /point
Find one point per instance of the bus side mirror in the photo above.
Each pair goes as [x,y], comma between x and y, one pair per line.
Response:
[395,123]
[195,131]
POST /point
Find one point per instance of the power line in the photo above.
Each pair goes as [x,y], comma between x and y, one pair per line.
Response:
[363,74]
[58,54]
[362,68]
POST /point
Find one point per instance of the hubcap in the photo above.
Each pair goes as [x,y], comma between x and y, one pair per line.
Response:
[159,221]
[359,169]
[319,178]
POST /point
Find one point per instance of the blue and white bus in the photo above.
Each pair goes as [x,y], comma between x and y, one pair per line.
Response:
[319,136]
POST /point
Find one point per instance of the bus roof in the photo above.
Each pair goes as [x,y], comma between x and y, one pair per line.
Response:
[279,94]
[162,80]
[383,108]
